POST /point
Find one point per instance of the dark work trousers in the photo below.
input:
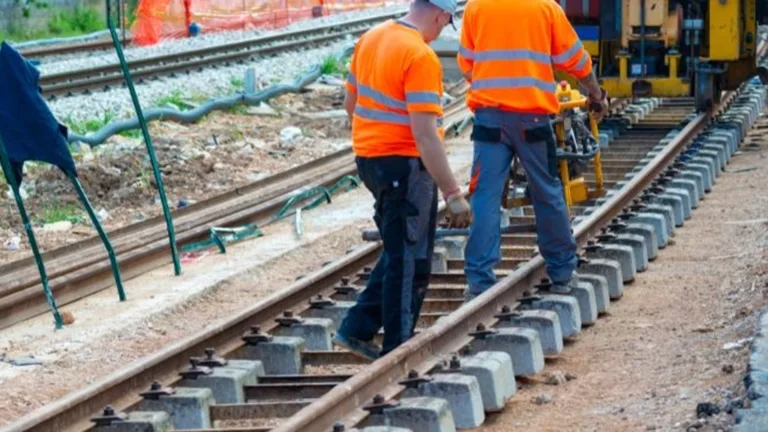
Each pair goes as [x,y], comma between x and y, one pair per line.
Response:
[406,216]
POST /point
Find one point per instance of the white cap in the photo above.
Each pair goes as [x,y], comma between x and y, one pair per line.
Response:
[448,6]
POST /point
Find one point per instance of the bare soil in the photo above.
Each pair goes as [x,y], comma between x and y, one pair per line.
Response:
[679,337]
[222,151]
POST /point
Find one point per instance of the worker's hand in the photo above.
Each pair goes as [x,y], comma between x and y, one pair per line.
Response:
[459,213]
[599,104]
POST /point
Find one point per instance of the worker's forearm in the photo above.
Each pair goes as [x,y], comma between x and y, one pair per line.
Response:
[590,84]
[435,160]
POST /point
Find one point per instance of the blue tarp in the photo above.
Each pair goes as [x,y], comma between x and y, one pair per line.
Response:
[28,128]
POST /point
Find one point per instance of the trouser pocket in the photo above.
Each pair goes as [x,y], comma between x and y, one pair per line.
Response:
[544,135]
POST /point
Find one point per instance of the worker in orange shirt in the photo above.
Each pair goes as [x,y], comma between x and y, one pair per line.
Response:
[507,53]
[394,100]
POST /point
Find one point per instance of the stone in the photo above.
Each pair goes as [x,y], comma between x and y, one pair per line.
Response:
[280,356]
[226,384]
[316,333]
[545,322]
[521,344]
[422,414]
[140,421]
[58,227]
[188,408]
[566,307]
[290,135]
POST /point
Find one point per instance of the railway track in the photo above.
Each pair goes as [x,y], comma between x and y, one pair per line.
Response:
[61,49]
[304,384]
[81,269]
[84,81]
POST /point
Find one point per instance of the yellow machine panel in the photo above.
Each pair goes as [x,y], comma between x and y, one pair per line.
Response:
[724,30]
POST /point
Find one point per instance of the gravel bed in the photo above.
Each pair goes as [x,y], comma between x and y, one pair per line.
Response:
[200,86]
[89,59]
[116,103]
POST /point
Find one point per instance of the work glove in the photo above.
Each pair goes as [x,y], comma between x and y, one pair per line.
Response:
[459,213]
[599,105]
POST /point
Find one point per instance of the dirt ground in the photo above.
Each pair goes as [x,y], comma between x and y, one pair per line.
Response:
[679,337]
[224,150]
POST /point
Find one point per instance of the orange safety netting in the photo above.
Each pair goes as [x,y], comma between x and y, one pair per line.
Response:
[165,19]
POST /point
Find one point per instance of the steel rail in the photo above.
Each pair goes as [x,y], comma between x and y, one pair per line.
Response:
[60,49]
[423,351]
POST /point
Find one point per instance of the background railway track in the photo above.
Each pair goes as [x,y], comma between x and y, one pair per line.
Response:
[73,48]
[314,400]
[84,81]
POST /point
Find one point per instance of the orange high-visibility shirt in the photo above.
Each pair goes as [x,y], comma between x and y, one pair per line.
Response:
[508,50]
[393,72]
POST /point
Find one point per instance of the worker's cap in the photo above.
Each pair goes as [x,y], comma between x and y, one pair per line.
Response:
[448,6]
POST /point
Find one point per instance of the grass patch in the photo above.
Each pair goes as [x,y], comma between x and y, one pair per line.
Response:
[175,98]
[55,212]
[237,83]
[60,23]
[239,109]
[91,125]
[333,66]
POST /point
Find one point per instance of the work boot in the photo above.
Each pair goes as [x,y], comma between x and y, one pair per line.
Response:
[564,287]
[367,350]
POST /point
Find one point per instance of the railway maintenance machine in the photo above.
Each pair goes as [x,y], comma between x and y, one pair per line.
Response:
[670,48]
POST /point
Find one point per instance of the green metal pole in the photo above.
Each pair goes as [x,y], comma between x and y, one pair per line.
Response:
[150,148]
[102,234]
[6,164]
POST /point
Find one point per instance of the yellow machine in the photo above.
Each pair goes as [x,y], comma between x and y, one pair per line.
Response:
[577,144]
[672,48]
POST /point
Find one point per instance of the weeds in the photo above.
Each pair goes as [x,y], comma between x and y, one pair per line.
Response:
[333,66]
[91,125]
[54,212]
[61,23]
[239,109]
[174,98]
[80,21]
[237,83]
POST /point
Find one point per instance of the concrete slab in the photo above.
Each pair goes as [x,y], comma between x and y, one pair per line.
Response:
[462,392]
[521,344]
[423,414]
[610,270]
[316,332]
[188,408]
[280,356]
[600,287]
[140,421]
[225,383]
[566,307]
[545,322]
